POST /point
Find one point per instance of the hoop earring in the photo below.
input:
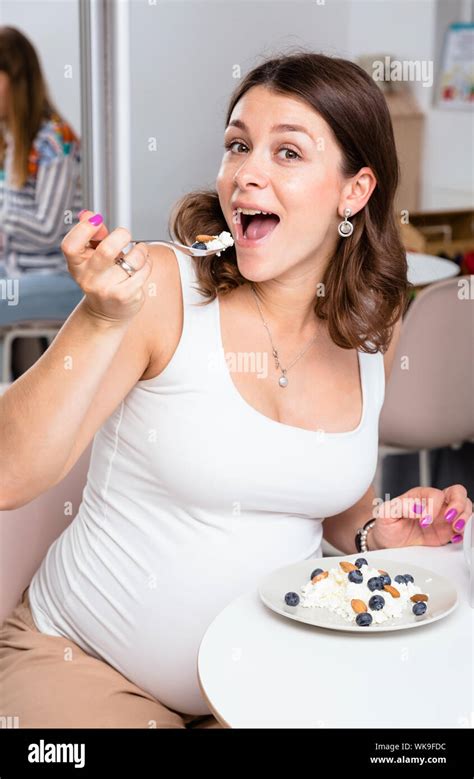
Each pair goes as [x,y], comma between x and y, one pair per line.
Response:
[345,228]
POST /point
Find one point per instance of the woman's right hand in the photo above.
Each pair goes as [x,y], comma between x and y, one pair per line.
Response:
[111,295]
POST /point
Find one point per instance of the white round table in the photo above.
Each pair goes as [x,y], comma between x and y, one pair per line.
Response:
[258,669]
[426,268]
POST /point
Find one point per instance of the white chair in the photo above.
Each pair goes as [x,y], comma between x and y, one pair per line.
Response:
[34,305]
[429,400]
[29,329]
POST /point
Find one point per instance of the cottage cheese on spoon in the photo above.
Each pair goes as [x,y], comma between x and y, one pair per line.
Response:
[221,241]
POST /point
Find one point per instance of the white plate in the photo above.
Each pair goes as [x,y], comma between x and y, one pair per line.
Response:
[443,596]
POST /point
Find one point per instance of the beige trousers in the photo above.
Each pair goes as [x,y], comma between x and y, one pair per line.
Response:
[50,682]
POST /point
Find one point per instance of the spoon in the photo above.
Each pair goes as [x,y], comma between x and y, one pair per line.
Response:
[186,249]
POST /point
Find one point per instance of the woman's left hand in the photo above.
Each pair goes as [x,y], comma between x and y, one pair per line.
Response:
[422,516]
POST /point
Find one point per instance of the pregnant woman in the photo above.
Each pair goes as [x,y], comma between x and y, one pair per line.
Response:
[233,402]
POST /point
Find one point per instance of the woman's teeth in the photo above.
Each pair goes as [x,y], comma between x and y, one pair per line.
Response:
[250,226]
[250,211]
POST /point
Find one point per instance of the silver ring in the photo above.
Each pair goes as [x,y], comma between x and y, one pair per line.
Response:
[125,265]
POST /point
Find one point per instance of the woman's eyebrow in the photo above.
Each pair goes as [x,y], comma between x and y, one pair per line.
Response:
[289,128]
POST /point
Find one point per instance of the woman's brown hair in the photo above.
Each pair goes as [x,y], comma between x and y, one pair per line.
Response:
[365,283]
[30,101]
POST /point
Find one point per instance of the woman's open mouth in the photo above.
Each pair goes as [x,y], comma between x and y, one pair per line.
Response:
[253,229]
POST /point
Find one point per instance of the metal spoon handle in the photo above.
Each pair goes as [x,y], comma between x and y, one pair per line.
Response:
[186,249]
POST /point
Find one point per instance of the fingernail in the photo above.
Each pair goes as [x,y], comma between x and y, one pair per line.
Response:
[449,516]
[96,219]
[417,508]
[456,539]
[459,524]
[425,521]
[81,212]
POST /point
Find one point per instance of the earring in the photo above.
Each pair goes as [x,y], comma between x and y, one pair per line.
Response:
[345,228]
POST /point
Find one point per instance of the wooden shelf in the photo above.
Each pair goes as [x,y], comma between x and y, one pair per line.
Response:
[458,223]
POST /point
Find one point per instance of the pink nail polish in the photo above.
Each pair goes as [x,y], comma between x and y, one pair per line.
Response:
[81,212]
[417,508]
[425,521]
[449,516]
[456,539]
[459,524]
[96,220]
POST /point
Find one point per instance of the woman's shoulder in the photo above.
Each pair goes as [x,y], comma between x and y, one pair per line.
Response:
[55,139]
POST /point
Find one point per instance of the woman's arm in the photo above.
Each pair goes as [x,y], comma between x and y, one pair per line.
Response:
[42,412]
[340,529]
[49,415]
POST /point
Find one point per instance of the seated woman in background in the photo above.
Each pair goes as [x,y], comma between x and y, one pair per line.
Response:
[40,194]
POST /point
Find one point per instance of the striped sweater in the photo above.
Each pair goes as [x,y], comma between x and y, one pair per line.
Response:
[35,218]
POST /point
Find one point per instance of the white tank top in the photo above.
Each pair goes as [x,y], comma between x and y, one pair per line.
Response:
[192,497]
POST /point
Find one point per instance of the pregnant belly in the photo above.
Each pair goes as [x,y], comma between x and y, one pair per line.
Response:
[151,631]
[146,614]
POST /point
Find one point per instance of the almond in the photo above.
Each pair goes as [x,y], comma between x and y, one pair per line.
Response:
[319,577]
[384,572]
[348,567]
[392,590]
[205,238]
[416,598]
[358,606]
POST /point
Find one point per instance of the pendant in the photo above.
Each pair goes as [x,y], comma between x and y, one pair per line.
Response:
[283,381]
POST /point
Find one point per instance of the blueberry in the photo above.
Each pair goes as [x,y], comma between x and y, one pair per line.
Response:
[364,619]
[360,562]
[373,583]
[419,608]
[356,577]
[400,579]
[408,577]
[386,579]
[198,245]
[376,602]
[316,572]
[292,598]
[381,583]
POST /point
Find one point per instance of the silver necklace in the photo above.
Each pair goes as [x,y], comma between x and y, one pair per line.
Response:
[283,380]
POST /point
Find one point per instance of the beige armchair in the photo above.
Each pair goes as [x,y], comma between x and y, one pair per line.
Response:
[27,533]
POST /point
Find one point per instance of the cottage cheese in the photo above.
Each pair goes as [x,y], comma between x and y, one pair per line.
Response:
[221,241]
[336,592]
